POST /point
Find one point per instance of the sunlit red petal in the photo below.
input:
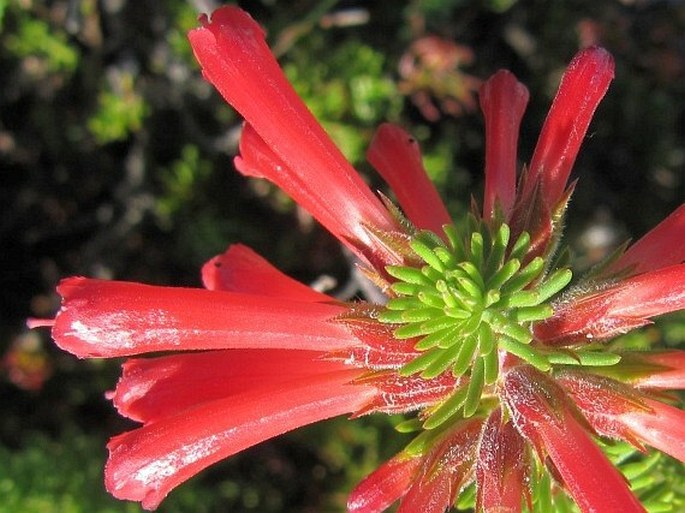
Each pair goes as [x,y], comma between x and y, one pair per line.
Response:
[662,246]
[503,100]
[151,388]
[593,482]
[380,489]
[662,428]
[617,309]
[109,318]
[147,463]
[236,59]
[582,87]
[603,401]
[616,410]
[541,414]
[240,269]
[396,156]
[258,160]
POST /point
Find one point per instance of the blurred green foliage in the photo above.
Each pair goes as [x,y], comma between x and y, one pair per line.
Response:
[56,476]
[116,162]
[36,39]
[119,112]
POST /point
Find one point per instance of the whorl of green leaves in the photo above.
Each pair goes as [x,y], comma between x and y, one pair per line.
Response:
[471,295]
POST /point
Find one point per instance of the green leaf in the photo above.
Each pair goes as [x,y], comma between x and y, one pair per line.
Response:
[466,352]
[524,276]
[554,284]
[428,256]
[475,387]
[532,313]
[503,274]
[447,409]
[525,352]
[520,246]
[407,274]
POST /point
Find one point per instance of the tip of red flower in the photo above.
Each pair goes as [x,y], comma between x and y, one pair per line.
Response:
[601,58]
[231,18]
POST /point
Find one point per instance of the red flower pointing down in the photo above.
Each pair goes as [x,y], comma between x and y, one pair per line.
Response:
[474,341]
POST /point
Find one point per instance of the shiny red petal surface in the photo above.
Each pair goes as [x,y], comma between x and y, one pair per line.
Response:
[258,160]
[593,482]
[152,388]
[109,318]
[380,489]
[663,428]
[236,59]
[147,463]
[402,394]
[615,310]
[662,246]
[503,100]
[582,87]
[396,156]
[242,270]
[618,411]
[602,401]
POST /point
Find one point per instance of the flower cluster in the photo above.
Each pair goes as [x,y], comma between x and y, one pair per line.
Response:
[499,357]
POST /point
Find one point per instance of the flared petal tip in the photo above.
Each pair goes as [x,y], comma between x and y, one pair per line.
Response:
[508,83]
[598,57]
[121,481]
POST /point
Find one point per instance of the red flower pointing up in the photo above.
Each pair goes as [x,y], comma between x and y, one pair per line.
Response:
[475,343]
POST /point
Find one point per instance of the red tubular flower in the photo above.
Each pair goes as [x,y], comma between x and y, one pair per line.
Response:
[146,463]
[617,309]
[543,193]
[503,100]
[583,86]
[615,410]
[662,427]
[540,411]
[467,341]
[284,144]
[396,156]
[242,270]
[239,397]
[109,318]
[153,388]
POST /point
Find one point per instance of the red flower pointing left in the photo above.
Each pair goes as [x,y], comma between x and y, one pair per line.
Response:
[260,379]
